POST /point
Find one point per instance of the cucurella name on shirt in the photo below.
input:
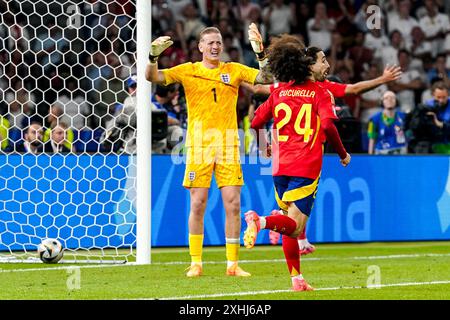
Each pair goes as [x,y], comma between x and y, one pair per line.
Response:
[297,93]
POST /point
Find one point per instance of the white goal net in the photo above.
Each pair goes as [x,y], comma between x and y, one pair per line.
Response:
[67,128]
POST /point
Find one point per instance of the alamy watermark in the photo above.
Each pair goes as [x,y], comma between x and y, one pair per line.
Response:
[374,279]
[374,15]
[74,278]
[211,145]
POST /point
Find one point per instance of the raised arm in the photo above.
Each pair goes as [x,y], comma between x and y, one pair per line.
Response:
[152,73]
[391,73]
[327,115]
[264,75]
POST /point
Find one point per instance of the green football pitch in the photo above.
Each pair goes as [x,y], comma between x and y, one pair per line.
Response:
[397,271]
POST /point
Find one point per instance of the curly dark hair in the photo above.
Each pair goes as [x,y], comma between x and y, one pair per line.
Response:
[287,38]
[312,53]
[288,60]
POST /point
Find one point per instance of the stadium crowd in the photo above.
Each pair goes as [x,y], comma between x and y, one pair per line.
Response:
[88,87]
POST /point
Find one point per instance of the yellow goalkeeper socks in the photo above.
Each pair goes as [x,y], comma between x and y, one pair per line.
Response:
[196,247]
[232,251]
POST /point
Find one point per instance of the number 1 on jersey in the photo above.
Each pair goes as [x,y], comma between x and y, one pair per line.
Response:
[214,92]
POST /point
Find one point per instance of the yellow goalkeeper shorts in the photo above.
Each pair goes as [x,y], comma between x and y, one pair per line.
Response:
[201,162]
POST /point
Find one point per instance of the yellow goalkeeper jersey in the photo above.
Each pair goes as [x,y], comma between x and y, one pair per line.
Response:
[211,98]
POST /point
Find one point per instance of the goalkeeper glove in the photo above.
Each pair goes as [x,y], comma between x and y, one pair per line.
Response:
[158,46]
[256,41]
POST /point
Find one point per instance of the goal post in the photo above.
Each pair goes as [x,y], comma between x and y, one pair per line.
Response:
[72,66]
[144,144]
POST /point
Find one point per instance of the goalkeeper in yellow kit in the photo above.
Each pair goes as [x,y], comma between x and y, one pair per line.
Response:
[211,88]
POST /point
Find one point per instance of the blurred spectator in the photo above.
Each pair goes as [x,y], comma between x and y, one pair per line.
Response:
[177,7]
[386,128]
[223,10]
[55,117]
[58,140]
[194,56]
[21,107]
[429,124]
[224,26]
[420,49]
[409,82]
[4,128]
[229,42]
[162,17]
[447,50]
[401,20]
[440,70]
[303,14]
[320,28]
[192,23]
[389,54]
[32,139]
[370,101]
[235,55]
[436,26]
[77,110]
[130,86]
[166,98]
[426,94]
[361,56]
[343,14]
[244,11]
[54,44]
[120,132]
[338,54]
[440,114]
[98,71]
[279,17]
[376,41]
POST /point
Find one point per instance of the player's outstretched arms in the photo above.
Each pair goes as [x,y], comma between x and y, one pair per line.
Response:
[263,89]
[390,73]
[264,75]
[152,73]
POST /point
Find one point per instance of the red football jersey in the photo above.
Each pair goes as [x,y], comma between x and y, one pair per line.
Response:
[336,89]
[297,139]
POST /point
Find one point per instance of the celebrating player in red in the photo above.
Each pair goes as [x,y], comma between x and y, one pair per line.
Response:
[304,115]
[338,90]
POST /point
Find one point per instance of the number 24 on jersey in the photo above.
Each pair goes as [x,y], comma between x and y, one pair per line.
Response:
[305,112]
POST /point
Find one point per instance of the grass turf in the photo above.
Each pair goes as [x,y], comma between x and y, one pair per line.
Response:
[410,270]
